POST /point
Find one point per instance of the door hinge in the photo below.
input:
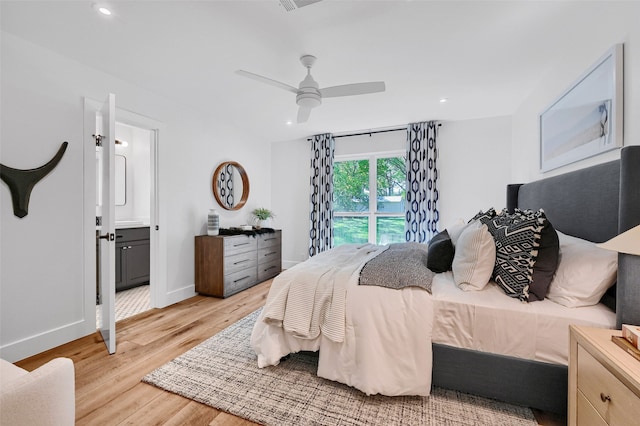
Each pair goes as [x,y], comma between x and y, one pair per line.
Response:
[98,139]
[98,220]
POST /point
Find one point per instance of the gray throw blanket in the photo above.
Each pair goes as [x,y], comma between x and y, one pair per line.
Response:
[400,265]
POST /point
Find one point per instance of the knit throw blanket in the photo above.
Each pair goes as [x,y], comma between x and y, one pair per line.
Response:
[310,297]
[400,265]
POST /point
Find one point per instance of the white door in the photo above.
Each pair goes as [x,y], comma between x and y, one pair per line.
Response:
[105,231]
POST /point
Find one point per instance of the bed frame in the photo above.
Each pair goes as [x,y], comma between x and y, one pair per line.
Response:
[595,204]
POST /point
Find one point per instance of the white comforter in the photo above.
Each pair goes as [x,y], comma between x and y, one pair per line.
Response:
[373,338]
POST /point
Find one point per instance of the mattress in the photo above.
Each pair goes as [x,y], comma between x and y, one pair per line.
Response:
[489,321]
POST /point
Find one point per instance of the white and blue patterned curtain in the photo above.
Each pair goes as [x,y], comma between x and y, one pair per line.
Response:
[422,176]
[321,196]
[225,185]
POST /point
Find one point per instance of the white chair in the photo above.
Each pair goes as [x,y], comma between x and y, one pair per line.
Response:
[44,396]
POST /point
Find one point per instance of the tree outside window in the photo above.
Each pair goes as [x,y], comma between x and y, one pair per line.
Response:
[360,218]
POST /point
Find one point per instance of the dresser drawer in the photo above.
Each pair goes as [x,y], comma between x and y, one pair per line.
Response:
[587,415]
[269,270]
[239,244]
[268,254]
[239,281]
[132,234]
[237,262]
[270,240]
[615,403]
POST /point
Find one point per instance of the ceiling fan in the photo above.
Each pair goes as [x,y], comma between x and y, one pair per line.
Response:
[308,93]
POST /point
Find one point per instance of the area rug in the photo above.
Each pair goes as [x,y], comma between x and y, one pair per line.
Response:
[222,372]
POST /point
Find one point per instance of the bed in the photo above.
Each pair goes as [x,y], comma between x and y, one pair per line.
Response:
[592,204]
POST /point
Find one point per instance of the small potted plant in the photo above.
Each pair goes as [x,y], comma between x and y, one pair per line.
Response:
[261,214]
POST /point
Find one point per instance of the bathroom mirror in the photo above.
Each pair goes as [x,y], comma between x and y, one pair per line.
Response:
[230,185]
[120,180]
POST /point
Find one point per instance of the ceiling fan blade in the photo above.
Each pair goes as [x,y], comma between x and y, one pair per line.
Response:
[303,114]
[353,89]
[267,80]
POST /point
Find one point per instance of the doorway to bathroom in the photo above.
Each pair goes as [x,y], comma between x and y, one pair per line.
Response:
[133,176]
[141,246]
[135,218]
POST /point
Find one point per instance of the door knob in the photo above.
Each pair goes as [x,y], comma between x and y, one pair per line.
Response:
[108,236]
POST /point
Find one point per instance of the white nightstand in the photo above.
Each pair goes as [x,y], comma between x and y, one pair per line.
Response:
[604,380]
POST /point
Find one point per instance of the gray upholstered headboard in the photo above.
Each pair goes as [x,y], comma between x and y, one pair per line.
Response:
[595,204]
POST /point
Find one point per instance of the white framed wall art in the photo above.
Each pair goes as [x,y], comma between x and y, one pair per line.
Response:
[586,119]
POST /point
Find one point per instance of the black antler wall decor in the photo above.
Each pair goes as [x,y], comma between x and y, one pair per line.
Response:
[21,182]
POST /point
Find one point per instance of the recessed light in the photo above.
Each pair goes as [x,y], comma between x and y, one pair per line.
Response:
[102,9]
[443,100]
[289,122]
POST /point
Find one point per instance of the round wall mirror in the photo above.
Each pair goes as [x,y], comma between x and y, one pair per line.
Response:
[230,185]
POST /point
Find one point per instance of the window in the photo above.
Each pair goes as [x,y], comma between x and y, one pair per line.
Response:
[360,218]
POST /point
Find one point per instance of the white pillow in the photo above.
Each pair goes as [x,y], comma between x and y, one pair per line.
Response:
[456,230]
[474,257]
[584,273]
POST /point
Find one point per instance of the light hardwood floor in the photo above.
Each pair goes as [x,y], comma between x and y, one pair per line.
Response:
[108,387]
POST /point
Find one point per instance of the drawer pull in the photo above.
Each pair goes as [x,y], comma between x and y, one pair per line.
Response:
[269,239]
[241,261]
[270,254]
[241,244]
[270,267]
[605,398]
[241,279]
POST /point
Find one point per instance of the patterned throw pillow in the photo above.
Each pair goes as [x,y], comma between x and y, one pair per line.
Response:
[483,217]
[517,237]
[547,262]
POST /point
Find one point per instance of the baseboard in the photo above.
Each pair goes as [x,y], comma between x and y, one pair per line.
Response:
[176,296]
[46,340]
[33,345]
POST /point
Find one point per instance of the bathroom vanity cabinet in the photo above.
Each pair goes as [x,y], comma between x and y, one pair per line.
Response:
[132,257]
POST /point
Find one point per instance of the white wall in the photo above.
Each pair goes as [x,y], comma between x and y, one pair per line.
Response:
[45,299]
[474,167]
[473,172]
[290,162]
[595,27]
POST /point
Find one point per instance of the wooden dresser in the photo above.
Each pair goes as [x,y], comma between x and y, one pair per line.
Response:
[225,265]
[604,380]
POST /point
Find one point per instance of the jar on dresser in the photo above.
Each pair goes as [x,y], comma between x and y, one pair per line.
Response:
[227,264]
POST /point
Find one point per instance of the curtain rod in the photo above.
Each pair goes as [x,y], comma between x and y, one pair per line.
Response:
[371,132]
